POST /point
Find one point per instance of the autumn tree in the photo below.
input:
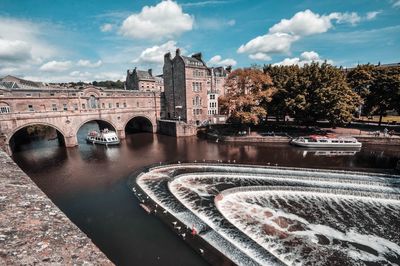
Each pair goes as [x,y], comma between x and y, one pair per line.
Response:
[249,91]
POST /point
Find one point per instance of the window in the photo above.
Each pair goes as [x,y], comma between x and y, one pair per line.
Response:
[28,95]
[117,105]
[109,105]
[103,105]
[52,94]
[54,107]
[30,108]
[75,106]
[73,94]
[93,102]
[197,86]
[65,107]
[83,106]
[124,105]
[5,109]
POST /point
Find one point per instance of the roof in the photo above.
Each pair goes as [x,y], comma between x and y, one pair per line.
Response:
[220,71]
[19,81]
[144,75]
[191,61]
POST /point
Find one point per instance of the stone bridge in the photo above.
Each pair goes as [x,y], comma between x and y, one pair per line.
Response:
[68,110]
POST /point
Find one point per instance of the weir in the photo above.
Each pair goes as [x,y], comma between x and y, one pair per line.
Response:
[274,215]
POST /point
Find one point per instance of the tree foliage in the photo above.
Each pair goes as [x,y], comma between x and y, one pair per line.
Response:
[379,88]
[249,91]
[313,92]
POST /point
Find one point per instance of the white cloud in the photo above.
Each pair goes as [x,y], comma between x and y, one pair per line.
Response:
[79,74]
[166,19]
[352,18]
[155,54]
[305,58]
[204,3]
[260,57]
[56,66]
[373,14]
[282,35]
[396,3]
[23,39]
[87,63]
[106,27]
[14,50]
[303,23]
[269,43]
[218,61]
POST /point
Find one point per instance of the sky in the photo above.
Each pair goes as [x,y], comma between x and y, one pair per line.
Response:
[87,40]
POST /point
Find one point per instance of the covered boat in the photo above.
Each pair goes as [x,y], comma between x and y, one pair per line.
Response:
[315,141]
[104,137]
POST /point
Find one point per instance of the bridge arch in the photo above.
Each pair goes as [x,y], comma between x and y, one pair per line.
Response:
[139,123]
[10,138]
[103,123]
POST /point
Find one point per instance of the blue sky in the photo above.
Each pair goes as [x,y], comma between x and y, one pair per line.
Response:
[54,40]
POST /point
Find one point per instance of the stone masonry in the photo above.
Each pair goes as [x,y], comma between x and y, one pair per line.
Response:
[33,230]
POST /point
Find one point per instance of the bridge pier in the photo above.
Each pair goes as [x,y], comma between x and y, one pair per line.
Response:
[121,133]
[71,141]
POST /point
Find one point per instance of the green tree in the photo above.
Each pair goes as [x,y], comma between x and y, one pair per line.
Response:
[313,92]
[384,92]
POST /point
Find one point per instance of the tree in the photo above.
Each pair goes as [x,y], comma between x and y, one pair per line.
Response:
[283,78]
[248,92]
[384,92]
[313,92]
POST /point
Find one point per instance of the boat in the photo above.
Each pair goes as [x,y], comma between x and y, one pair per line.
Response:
[316,141]
[104,137]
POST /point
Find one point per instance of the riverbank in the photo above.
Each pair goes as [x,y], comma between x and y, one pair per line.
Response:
[367,137]
[33,230]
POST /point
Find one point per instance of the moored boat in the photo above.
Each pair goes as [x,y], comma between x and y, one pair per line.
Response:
[104,137]
[315,141]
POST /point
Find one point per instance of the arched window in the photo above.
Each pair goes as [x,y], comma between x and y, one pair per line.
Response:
[93,102]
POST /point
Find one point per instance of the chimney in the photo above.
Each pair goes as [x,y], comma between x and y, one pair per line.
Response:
[178,52]
[198,56]
[167,56]
[229,69]
[150,72]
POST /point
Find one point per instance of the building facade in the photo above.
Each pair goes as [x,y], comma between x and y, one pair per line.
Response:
[185,80]
[142,80]
[191,88]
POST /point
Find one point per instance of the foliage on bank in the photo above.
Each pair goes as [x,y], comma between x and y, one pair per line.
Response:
[310,93]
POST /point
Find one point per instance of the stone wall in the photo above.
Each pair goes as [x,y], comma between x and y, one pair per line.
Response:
[176,128]
[33,230]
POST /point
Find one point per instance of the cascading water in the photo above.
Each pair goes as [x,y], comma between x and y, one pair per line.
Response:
[270,215]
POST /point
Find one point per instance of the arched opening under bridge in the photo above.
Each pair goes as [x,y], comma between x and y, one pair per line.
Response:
[139,124]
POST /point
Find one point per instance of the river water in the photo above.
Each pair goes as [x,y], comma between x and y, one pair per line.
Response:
[88,183]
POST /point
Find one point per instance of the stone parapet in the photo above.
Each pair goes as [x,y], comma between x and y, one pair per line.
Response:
[33,230]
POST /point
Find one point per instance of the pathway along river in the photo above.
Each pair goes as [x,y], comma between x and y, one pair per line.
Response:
[88,183]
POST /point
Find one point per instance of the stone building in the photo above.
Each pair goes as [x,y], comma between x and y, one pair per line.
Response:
[142,80]
[191,88]
[215,89]
[185,80]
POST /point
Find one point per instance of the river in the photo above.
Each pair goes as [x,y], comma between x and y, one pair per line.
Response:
[88,183]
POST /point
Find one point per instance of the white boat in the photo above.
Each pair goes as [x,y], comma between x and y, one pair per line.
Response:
[315,141]
[104,137]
